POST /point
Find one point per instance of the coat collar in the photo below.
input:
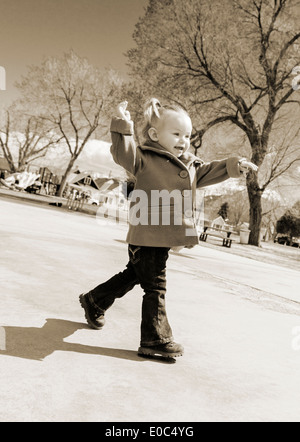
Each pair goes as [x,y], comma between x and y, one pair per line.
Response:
[185,161]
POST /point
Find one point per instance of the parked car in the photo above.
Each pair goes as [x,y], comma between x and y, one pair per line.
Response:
[295,242]
[287,241]
[93,201]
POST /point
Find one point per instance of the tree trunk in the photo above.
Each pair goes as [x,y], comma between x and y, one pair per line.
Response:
[13,168]
[65,176]
[255,213]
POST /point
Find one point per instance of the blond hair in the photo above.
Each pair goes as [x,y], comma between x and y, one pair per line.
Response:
[154,111]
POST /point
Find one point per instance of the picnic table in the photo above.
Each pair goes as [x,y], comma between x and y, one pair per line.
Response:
[217,232]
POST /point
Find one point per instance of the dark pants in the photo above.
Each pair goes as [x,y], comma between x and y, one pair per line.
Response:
[147,267]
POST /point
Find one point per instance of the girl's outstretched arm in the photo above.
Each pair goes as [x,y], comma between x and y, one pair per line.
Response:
[220,170]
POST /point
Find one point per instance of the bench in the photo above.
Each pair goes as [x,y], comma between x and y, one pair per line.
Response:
[227,241]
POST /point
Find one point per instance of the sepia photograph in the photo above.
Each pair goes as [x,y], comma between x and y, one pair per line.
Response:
[149,213]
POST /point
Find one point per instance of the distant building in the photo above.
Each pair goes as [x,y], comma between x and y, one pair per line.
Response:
[218,223]
[102,191]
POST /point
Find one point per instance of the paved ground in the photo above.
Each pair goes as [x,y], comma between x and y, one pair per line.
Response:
[238,319]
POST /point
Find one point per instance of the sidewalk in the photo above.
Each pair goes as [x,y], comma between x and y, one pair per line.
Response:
[46,200]
[30,197]
[237,318]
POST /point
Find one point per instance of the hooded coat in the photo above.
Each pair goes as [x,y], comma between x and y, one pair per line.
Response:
[162,207]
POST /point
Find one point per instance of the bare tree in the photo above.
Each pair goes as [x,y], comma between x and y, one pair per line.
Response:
[24,140]
[228,62]
[73,97]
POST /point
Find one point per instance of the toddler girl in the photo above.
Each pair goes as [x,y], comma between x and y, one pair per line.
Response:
[167,176]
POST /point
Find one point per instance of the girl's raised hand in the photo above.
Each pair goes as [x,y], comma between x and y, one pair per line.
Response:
[122,111]
[245,166]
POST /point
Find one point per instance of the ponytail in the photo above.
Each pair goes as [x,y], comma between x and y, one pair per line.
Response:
[151,114]
[153,111]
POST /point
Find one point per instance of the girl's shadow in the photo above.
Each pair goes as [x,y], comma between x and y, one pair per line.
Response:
[38,343]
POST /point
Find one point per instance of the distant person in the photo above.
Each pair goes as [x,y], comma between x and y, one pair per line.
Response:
[161,164]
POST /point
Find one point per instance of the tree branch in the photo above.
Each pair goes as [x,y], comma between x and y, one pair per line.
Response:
[284,50]
[196,139]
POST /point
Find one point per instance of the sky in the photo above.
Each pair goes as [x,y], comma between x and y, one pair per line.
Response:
[32,30]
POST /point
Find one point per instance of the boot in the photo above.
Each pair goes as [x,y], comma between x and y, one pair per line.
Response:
[94,318]
[168,350]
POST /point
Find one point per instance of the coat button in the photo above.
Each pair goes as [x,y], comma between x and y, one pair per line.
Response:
[184,174]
